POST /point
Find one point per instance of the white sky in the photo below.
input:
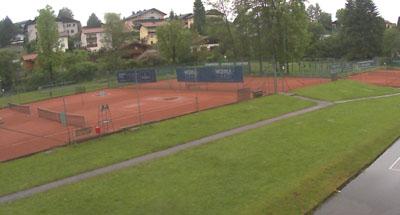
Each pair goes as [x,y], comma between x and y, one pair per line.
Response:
[19,10]
[389,9]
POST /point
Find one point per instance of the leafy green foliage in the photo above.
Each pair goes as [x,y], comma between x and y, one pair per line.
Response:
[280,28]
[174,41]
[114,28]
[391,43]
[216,31]
[48,43]
[82,71]
[8,69]
[30,47]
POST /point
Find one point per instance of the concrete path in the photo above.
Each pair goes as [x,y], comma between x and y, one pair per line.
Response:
[149,157]
[367,98]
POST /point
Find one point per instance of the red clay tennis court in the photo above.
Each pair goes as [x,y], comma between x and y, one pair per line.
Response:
[39,126]
[390,78]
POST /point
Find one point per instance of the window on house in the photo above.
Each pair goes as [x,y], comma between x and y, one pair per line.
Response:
[73,25]
[91,40]
[72,31]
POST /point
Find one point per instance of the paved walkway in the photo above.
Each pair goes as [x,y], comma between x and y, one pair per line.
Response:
[149,157]
[368,98]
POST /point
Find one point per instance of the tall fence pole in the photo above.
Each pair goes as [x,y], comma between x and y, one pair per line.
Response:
[66,120]
[138,99]
[275,78]
[197,95]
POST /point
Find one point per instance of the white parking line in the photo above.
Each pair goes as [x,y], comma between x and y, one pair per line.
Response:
[394,164]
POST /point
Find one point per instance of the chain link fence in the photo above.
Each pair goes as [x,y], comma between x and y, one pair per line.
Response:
[57,114]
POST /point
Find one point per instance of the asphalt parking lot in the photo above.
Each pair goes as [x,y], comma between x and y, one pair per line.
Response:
[376,191]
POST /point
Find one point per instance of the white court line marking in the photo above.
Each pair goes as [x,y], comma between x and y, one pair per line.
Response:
[394,164]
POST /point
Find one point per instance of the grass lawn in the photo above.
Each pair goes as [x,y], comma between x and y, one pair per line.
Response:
[285,168]
[41,168]
[343,90]
[38,95]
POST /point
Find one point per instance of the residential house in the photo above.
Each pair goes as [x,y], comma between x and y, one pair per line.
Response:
[205,43]
[136,20]
[19,38]
[134,50]
[188,19]
[148,32]
[94,39]
[66,28]
[389,24]
[214,13]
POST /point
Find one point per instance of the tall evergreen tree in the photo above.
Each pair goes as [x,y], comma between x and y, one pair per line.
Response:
[7,31]
[362,30]
[93,21]
[199,13]
[398,22]
[172,15]
[65,13]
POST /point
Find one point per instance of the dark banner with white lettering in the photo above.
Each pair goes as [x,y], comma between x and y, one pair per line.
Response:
[217,74]
[137,76]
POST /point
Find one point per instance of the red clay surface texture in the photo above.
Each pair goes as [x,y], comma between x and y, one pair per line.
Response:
[22,134]
[390,78]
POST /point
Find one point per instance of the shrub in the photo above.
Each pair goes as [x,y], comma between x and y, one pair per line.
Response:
[84,71]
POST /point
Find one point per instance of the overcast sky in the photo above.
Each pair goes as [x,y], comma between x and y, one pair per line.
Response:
[19,10]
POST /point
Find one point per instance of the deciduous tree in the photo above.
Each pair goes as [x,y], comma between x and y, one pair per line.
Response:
[48,41]
[8,69]
[391,43]
[114,28]
[174,41]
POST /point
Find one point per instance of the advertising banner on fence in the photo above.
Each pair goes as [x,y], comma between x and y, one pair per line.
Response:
[231,74]
[363,65]
[137,76]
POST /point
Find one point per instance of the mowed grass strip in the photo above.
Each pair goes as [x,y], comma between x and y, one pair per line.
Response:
[46,167]
[48,93]
[284,168]
[343,90]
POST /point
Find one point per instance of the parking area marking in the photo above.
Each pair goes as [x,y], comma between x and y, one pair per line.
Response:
[395,166]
